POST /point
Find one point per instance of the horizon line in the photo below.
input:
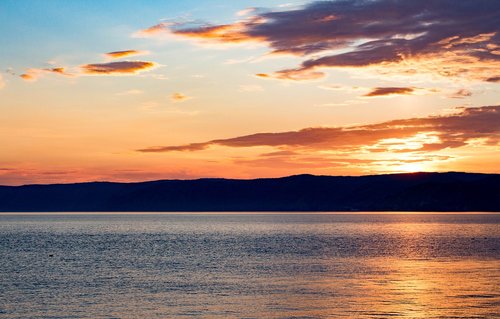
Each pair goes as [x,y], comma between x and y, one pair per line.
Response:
[249,179]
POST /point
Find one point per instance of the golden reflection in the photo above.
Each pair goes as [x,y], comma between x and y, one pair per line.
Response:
[390,287]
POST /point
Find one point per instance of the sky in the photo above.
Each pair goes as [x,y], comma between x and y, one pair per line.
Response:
[132,91]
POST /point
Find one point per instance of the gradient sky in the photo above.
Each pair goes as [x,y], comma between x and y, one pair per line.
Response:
[132,91]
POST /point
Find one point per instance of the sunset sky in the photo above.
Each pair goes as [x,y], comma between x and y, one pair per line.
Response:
[143,90]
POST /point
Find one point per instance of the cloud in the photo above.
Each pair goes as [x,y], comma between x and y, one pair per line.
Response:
[10,71]
[293,75]
[155,30]
[34,74]
[106,68]
[303,161]
[125,53]
[341,87]
[424,134]
[57,70]
[279,153]
[2,83]
[41,175]
[375,92]
[245,12]
[28,77]
[461,94]
[111,68]
[384,91]
[493,79]
[220,33]
[179,97]
[445,37]
[117,68]
[225,33]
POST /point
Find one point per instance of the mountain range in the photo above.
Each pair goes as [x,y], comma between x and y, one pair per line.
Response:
[450,191]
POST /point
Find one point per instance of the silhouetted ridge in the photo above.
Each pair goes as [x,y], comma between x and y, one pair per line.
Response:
[396,192]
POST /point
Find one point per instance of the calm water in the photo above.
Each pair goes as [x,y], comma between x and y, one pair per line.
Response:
[250,266]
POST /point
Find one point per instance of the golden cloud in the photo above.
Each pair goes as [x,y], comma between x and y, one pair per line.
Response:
[125,53]
[117,68]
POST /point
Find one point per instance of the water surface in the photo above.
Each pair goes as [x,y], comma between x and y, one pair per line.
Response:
[250,266]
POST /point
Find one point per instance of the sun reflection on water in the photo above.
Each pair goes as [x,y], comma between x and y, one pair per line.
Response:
[250,266]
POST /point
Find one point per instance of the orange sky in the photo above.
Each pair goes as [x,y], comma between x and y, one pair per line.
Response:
[242,91]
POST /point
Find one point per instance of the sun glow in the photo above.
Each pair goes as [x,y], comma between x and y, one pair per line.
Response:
[412,167]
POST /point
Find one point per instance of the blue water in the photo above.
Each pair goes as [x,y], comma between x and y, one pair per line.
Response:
[250,266]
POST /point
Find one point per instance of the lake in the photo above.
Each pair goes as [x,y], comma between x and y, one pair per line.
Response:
[270,265]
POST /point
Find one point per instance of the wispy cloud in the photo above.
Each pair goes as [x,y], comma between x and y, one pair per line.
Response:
[245,12]
[340,87]
[293,75]
[41,175]
[461,94]
[34,74]
[156,30]
[2,83]
[444,37]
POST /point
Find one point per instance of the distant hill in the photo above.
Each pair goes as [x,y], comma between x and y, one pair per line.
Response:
[395,192]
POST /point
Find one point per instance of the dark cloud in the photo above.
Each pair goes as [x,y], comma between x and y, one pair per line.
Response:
[493,79]
[463,35]
[432,133]
[383,91]
[122,67]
